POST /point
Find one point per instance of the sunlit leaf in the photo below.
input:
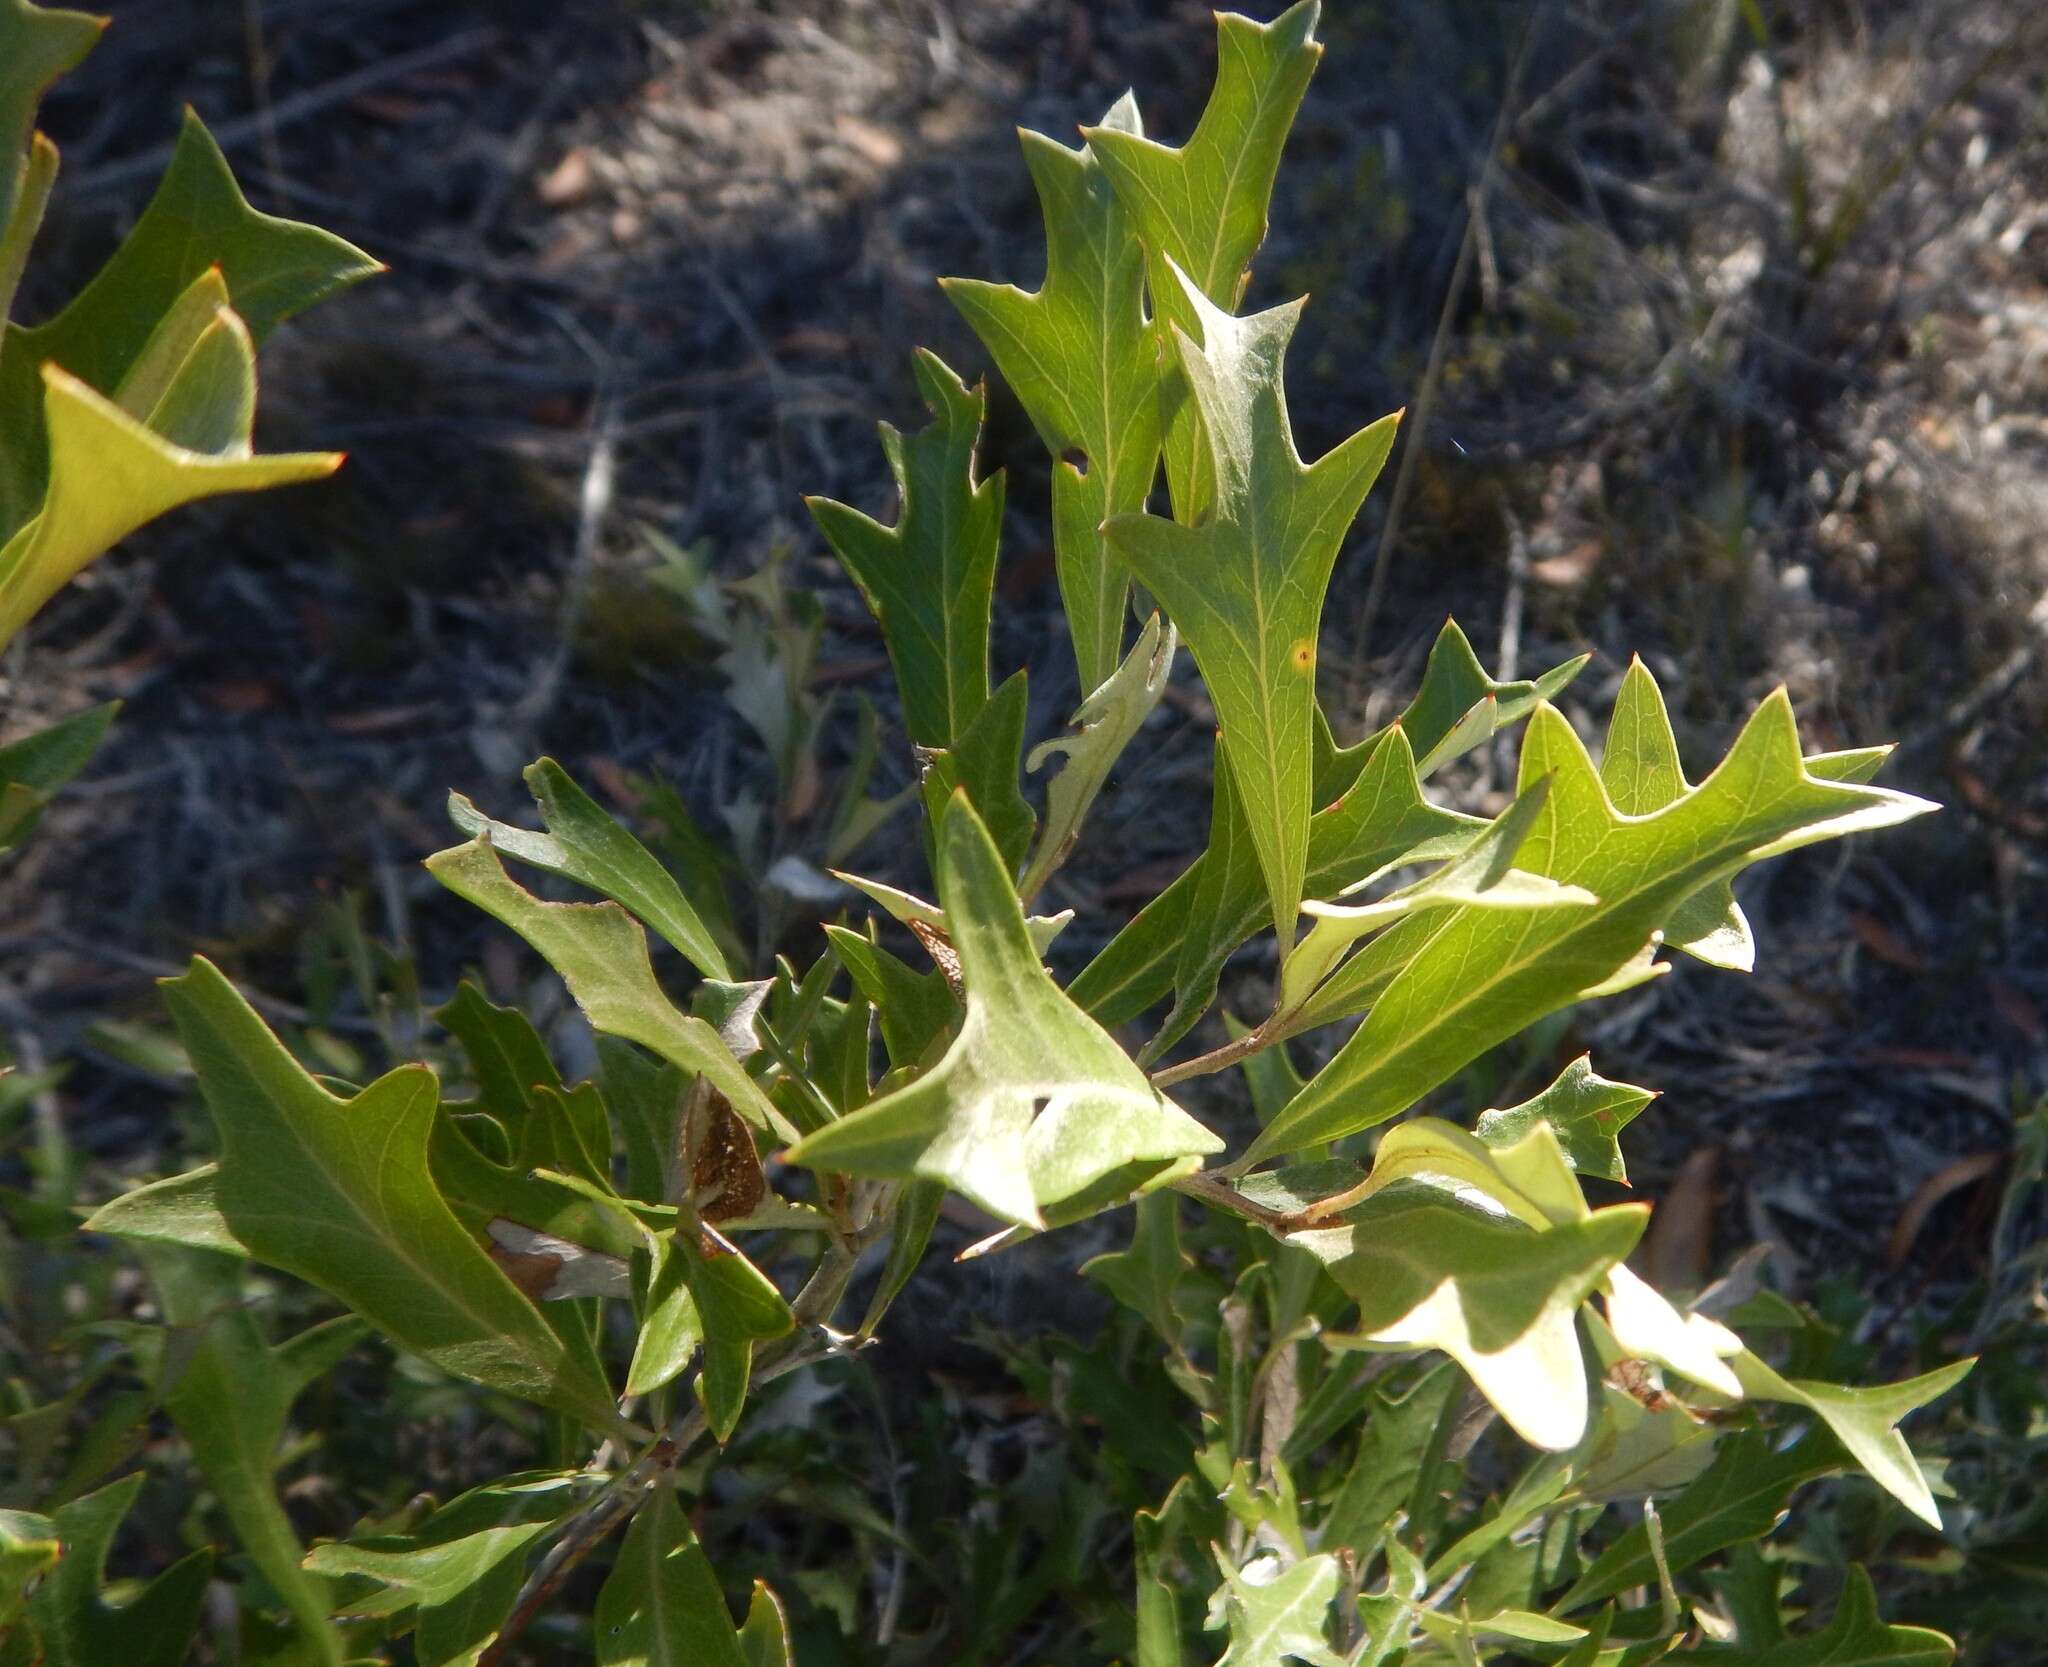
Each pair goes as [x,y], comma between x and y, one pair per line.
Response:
[1246,586]
[1587,1112]
[1201,207]
[1481,976]
[1276,1614]
[1034,1109]
[1865,1421]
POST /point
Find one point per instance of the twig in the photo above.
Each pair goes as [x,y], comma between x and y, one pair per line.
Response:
[231,135]
[1417,424]
[1216,1059]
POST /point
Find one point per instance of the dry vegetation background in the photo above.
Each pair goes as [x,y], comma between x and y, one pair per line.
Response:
[1744,367]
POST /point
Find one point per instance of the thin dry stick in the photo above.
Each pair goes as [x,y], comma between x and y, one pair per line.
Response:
[312,102]
[1417,425]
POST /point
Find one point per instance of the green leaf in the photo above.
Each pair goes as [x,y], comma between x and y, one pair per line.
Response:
[197,219]
[460,1544]
[1587,1112]
[1641,771]
[739,1306]
[1200,208]
[29,1546]
[504,1051]
[601,954]
[661,1606]
[1033,1109]
[585,844]
[1393,1452]
[1081,357]
[1854,1637]
[1246,587]
[1481,876]
[1458,706]
[108,475]
[1739,1497]
[910,1235]
[1182,939]
[671,1330]
[983,763]
[1278,1616]
[1431,1271]
[33,768]
[180,1209]
[915,1009]
[764,1638]
[1865,1420]
[338,1192]
[929,579]
[36,47]
[1102,727]
[71,1617]
[230,1394]
[1143,1276]
[1481,976]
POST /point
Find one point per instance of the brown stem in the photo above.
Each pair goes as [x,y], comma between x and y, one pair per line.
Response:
[1216,1059]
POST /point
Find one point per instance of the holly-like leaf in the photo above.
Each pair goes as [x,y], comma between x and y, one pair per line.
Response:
[338,1191]
[1458,705]
[1080,355]
[69,1615]
[1275,1614]
[585,844]
[37,45]
[34,767]
[230,1393]
[109,474]
[1587,1112]
[1034,1113]
[929,579]
[983,763]
[1481,876]
[1854,1637]
[1641,771]
[601,954]
[1480,976]
[738,1307]
[1102,728]
[1866,1421]
[179,1209]
[914,1008]
[661,1606]
[1199,209]
[197,220]
[1246,586]
[1430,1270]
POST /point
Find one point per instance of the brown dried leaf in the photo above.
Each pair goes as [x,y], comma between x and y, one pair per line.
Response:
[1946,1181]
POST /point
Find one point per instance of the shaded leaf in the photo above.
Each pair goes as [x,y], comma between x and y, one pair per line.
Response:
[601,954]
[337,1191]
[1853,1637]
[1865,1421]
[586,844]
[929,579]
[1080,355]
[983,763]
[661,1606]
[69,1614]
